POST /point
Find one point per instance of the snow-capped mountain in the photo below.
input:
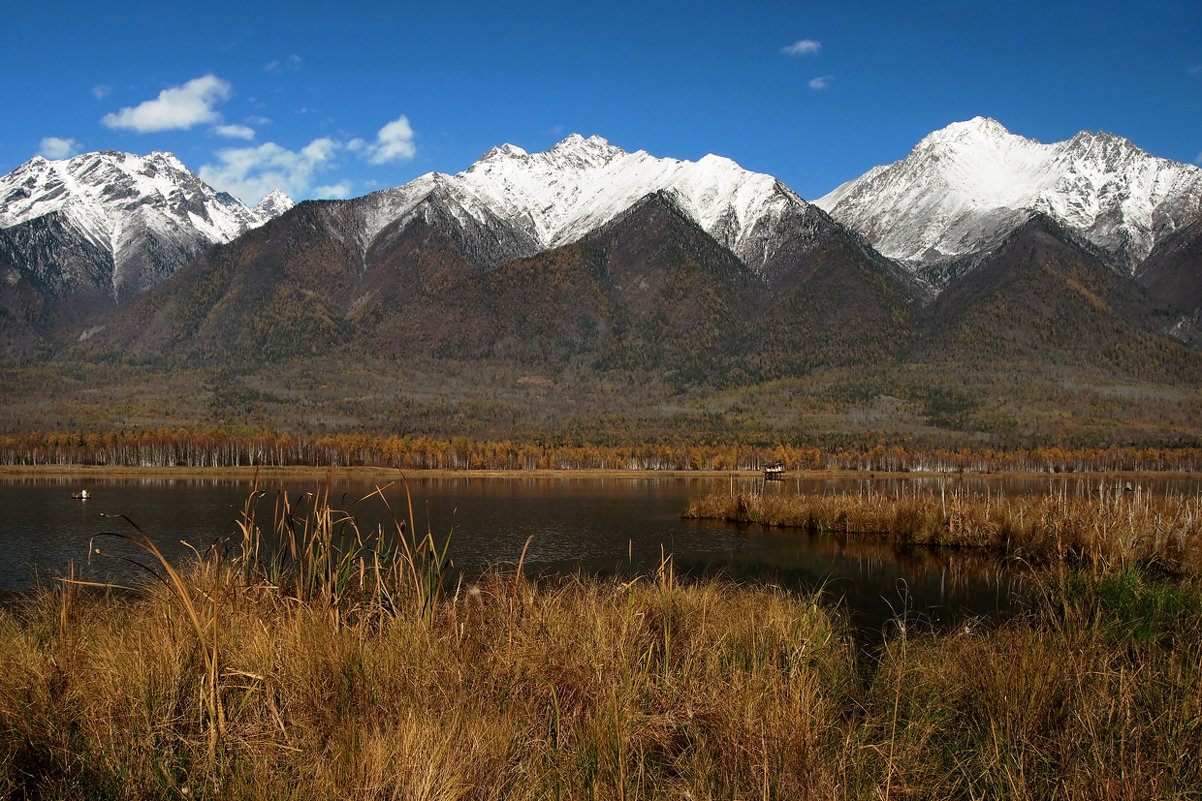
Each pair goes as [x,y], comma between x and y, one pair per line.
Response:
[273,204]
[520,203]
[964,188]
[146,216]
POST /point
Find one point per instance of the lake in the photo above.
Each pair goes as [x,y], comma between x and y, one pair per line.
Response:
[597,525]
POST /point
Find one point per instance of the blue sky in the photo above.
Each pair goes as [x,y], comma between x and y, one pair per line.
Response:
[340,99]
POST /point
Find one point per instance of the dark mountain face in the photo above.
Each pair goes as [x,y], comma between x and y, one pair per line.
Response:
[649,291]
[1172,275]
[1042,297]
[273,293]
[839,304]
[51,280]
[56,259]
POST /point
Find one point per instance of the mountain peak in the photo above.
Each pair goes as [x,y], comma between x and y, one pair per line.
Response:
[558,196]
[976,129]
[1105,144]
[505,151]
[963,188]
[142,217]
[595,149]
[273,204]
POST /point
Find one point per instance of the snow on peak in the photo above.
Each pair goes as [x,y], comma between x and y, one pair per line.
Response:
[964,187]
[273,204]
[975,130]
[100,190]
[561,194]
[133,207]
[506,151]
[595,148]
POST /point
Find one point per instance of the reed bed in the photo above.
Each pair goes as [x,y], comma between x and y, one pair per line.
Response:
[340,665]
[1106,529]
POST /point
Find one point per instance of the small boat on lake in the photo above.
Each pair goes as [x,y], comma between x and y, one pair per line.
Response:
[81,495]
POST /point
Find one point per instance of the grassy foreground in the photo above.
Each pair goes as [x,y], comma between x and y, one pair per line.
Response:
[340,667]
[1108,530]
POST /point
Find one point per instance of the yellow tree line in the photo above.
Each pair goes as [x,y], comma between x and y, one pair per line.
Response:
[221,448]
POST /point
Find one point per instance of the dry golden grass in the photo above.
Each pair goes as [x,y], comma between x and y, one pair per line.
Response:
[347,671]
[513,691]
[1112,529]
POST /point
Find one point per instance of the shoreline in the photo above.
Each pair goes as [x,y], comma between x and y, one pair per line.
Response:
[300,472]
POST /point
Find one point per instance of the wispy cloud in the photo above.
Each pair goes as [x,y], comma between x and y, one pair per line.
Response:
[1199,159]
[52,147]
[101,90]
[177,108]
[1196,69]
[821,82]
[802,47]
[293,62]
[394,142]
[235,131]
[251,172]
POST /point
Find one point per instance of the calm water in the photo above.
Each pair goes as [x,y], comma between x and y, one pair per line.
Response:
[596,525]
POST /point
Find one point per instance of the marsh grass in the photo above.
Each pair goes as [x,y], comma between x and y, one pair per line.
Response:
[1104,529]
[344,669]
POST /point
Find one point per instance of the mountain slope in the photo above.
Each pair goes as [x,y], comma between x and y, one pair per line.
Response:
[272,293]
[650,292]
[1173,277]
[963,189]
[1042,298]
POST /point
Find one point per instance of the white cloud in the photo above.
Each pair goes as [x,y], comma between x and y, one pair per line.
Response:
[52,147]
[333,192]
[100,91]
[235,131]
[251,172]
[320,150]
[394,142]
[821,82]
[177,108]
[1199,159]
[802,47]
